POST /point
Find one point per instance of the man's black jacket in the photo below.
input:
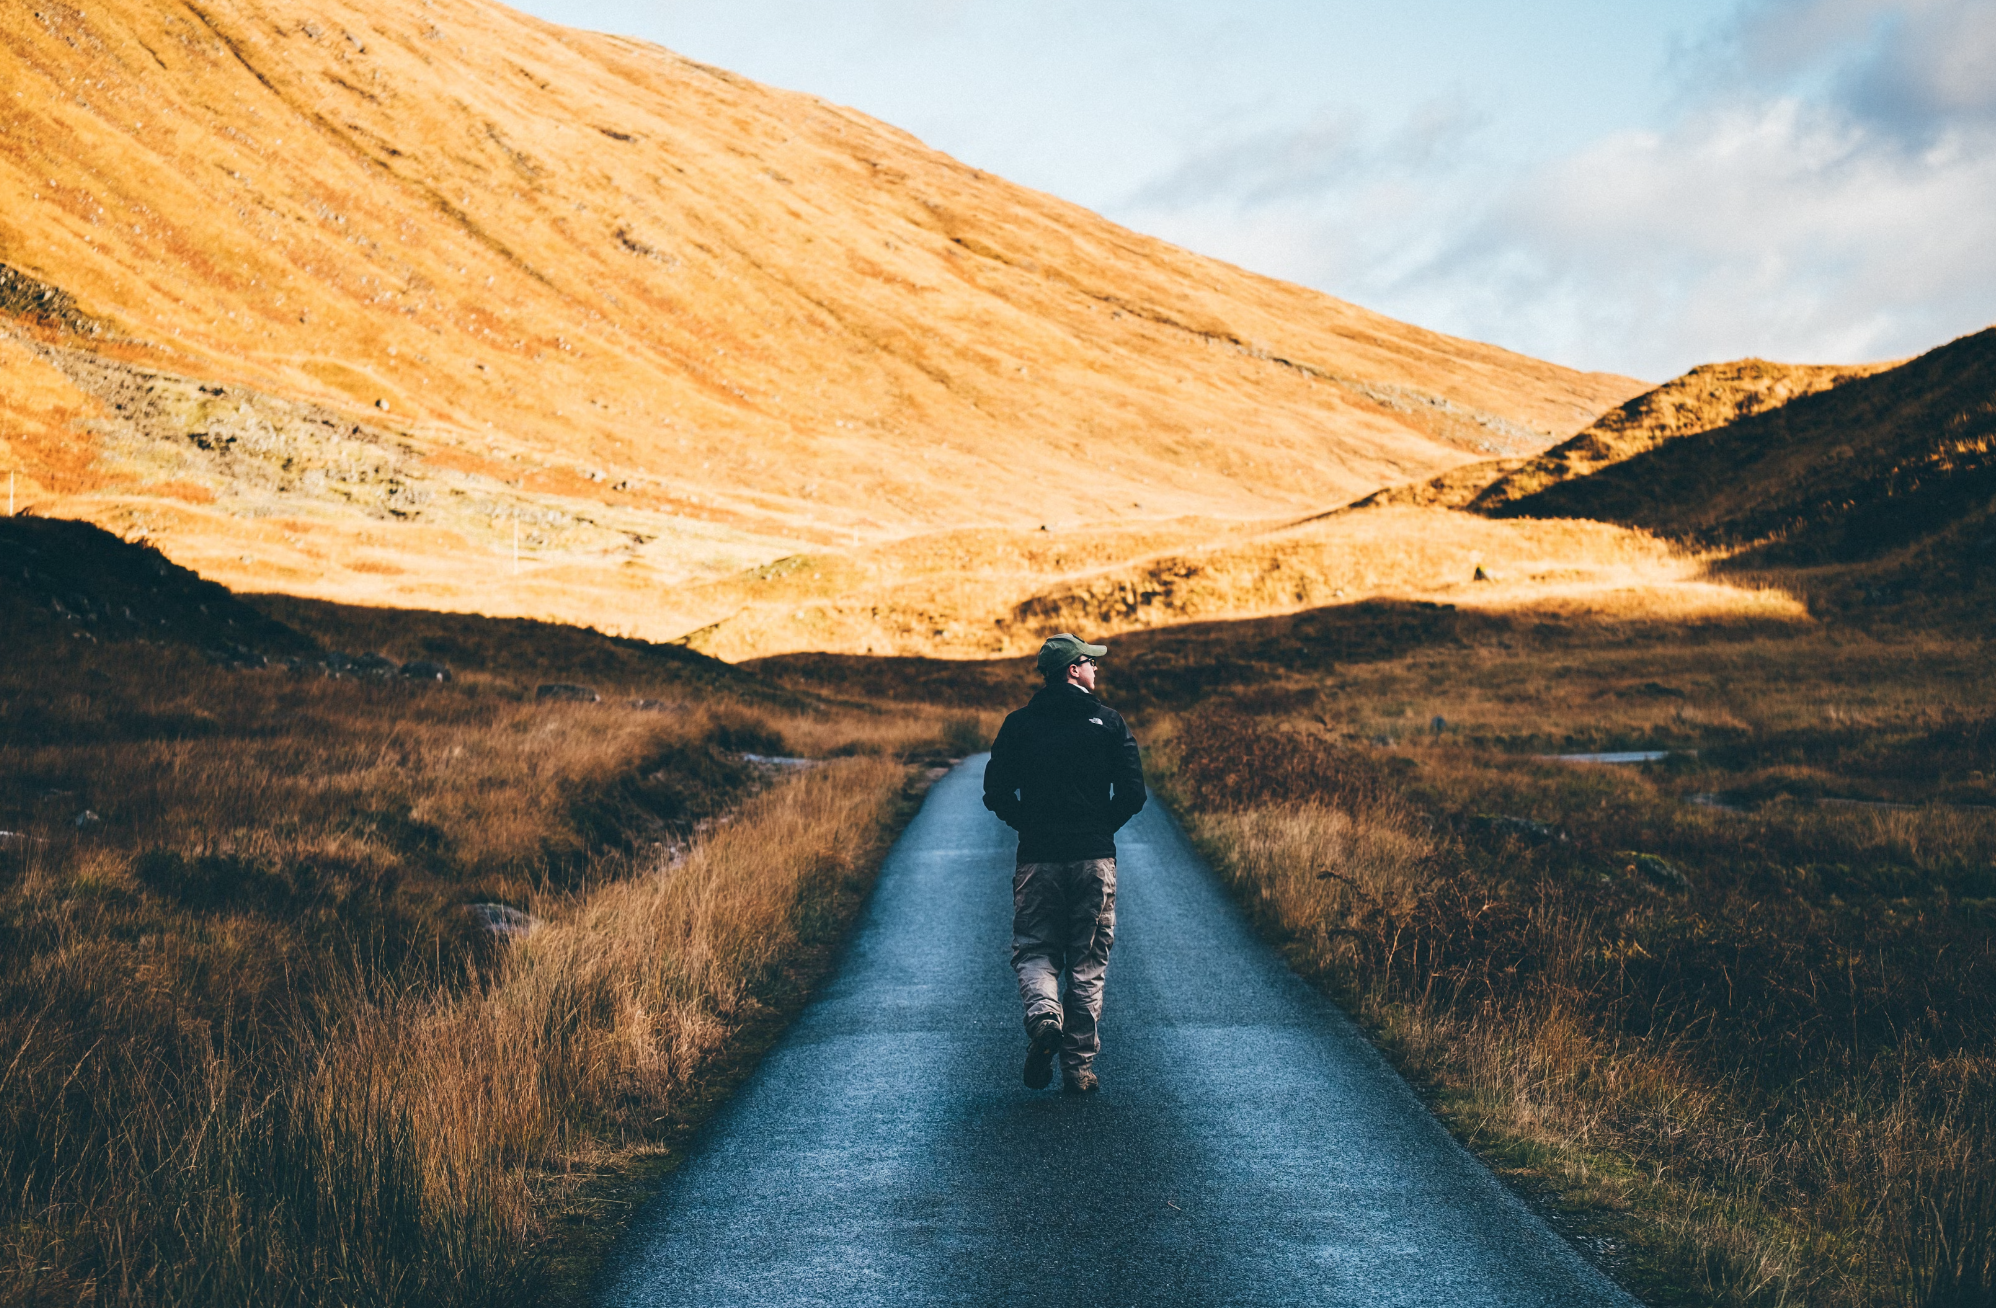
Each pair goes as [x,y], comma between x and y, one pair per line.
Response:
[1065,774]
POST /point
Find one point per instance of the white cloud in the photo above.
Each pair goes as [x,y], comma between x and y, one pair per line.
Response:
[1823,192]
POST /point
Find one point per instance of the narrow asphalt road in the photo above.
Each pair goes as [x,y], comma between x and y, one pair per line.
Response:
[1248,1146]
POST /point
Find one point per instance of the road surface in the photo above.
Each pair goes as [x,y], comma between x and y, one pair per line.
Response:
[1248,1146]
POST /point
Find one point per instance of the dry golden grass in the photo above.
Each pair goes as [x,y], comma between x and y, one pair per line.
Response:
[254,1048]
[1749,1050]
[948,593]
[992,594]
[504,1099]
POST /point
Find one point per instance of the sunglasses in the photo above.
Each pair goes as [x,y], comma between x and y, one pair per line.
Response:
[1085,659]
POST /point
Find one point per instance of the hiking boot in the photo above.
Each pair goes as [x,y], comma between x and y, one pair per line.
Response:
[1080,1081]
[1039,1054]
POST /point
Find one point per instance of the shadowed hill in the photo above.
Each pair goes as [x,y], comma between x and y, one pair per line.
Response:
[64,582]
[57,575]
[1838,477]
[348,302]
[1711,395]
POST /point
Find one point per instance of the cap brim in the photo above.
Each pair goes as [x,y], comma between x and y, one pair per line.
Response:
[1094,651]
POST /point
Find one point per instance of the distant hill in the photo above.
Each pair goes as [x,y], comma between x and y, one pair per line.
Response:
[1711,395]
[66,585]
[351,301]
[1846,475]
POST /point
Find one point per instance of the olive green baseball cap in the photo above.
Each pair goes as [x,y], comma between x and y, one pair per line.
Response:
[1061,650]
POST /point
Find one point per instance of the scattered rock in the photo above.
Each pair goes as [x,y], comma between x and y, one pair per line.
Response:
[1657,872]
[49,305]
[381,405]
[234,657]
[1653,690]
[86,820]
[424,670]
[566,690]
[1520,826]
[504,920]
[378,666]
[1481,575]
[659,705]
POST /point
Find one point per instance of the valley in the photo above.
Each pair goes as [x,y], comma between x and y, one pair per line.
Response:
[508,523]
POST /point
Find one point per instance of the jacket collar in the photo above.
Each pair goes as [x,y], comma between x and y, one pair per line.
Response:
[1065,700]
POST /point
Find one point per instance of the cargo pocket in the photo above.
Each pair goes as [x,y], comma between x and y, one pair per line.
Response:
[1020,880]
[1105,915]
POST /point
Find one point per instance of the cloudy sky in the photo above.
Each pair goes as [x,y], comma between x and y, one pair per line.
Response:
[1631,185]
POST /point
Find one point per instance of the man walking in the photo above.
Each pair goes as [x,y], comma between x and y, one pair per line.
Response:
[1065,774]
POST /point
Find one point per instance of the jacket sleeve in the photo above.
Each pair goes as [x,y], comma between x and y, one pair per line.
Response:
[1001,777]
[1127,781]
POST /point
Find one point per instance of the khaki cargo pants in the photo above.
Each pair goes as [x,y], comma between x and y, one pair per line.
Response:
[1063,923]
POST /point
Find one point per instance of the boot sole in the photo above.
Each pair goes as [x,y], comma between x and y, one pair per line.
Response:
[1038,1074]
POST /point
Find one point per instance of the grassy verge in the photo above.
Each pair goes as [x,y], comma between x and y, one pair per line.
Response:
[1732,1027]
[257,1045]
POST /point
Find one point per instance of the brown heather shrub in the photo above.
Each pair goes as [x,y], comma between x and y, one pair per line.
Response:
[1232,761]
[378,1144]
[1767,1039]
[253,1048]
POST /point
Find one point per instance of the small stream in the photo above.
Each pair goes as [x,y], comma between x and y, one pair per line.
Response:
[1618,756]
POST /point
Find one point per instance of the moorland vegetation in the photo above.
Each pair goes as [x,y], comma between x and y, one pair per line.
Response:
[376,988]
[1740,996]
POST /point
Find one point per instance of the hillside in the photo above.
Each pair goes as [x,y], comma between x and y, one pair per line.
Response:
[345,303]
[970,595]
[1840,477]
[1710,395]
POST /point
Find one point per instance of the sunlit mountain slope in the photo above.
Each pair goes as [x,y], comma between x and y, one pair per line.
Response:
[343,298]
